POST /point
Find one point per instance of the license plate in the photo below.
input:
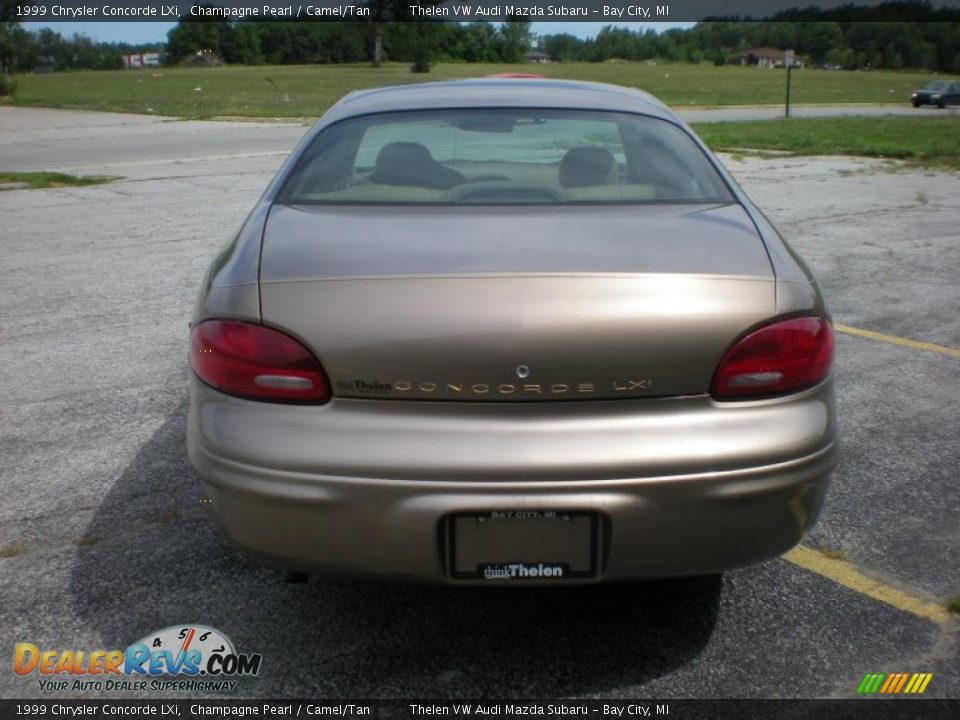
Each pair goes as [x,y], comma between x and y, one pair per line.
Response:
[522,545]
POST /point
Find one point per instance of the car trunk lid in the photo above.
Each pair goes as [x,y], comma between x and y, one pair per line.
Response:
[516,304]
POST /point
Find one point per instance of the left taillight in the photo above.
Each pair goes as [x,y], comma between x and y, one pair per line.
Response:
[256,362]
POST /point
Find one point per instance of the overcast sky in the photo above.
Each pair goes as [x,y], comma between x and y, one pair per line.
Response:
[141,32]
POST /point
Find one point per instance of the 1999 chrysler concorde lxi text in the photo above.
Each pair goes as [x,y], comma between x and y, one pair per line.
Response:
[510,330]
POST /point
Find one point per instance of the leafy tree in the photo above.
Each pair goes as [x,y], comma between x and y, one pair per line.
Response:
[514,39]
[816,38]
[48,50]
[478,43]
[891,58]
[563,47]
[845,58]
[242,45]
[386,13]
[198,33]
[486,37]
[615,42]
[418,43]
[12,36]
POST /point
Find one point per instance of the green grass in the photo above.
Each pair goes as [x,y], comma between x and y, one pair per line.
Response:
[40,180]
[88,541]
[306,91]
[165,518]
[926,141]
[832,553]
[9,551]
[953,605]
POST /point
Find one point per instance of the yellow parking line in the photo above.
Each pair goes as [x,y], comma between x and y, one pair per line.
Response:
[894,340]
[844,573]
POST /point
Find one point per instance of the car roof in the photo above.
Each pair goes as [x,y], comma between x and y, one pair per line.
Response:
[498,92]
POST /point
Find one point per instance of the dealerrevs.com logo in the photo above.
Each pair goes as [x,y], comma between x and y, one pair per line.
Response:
[187,658]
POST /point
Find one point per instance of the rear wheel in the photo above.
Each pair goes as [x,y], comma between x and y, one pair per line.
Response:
[941,104]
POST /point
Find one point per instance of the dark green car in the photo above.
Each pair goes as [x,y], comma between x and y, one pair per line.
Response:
[939,92]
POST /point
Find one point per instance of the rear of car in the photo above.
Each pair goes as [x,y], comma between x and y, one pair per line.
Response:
[510,331]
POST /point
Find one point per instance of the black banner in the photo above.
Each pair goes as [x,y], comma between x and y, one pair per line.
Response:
[862,708]
[611,11]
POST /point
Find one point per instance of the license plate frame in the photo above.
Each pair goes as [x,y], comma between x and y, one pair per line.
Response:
[567,541]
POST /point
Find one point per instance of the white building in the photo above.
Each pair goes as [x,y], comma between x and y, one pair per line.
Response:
[142,60]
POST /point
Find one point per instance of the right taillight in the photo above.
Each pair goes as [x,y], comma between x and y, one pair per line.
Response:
[776,359]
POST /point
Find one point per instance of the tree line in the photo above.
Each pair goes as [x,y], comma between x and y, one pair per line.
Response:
[849,37]
[299,42]
[851,44]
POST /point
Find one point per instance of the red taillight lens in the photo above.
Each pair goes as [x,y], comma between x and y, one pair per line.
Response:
[780,358]
[256,362]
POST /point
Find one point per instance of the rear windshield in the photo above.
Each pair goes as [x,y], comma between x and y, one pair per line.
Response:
[496,156]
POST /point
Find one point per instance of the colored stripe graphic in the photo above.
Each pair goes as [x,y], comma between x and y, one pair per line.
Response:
[870,683]
[900,684]
[894,683]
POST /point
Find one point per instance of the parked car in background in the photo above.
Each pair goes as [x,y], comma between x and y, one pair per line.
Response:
[510,330]
[938,92]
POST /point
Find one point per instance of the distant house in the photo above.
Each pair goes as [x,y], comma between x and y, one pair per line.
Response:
[537,57]
[766,57]
[142,60]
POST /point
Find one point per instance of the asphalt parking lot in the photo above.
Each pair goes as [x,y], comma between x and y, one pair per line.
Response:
[104,539]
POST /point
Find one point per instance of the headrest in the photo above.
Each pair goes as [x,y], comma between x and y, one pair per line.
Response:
[404,163]
[586,166]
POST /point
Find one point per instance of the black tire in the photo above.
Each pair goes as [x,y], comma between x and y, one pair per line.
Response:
[916,103]
[941,105]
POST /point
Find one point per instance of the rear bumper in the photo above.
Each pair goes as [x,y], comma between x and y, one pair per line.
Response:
[682,486]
